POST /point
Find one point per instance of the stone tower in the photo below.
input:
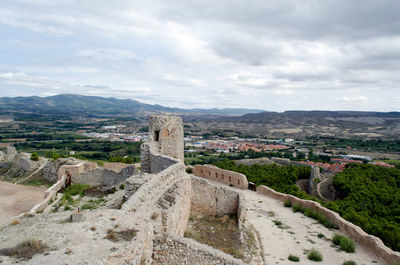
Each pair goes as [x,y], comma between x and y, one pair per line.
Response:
[166,135]
[165,139]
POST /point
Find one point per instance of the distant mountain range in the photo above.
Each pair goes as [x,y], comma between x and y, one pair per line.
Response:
[75,104]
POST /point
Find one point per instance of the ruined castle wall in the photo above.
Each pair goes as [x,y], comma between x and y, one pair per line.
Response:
[374,244]
[74,170]
[221,175]
[89,166]
[312,185]
[116,167]
[49,195]
[154,186]
[171,250]
[174,208]
[212,200]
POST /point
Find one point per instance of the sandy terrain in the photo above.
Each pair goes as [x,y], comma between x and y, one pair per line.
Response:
[299,235]
[16,199]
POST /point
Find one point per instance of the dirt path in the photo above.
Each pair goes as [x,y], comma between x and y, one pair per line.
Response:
[16,199]
[296,235]
[319,190]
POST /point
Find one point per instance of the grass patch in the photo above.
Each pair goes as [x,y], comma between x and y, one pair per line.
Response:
[277,222]
[293,258]
[36,183]
[314,255]
[26,250]
[345,244]
[88,206]
[126,235]
[350,262]
[76,189]
[315,215]
[271,213]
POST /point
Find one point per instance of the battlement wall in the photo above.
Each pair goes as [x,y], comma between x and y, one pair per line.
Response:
[228,177]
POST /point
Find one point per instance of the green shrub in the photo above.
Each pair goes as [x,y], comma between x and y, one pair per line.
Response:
[277,222]
[314,255]
[296,208]
[293,258]
[287,203]
[189,170]
[34,156]
[346,244]
[315,215]
[122,186]
[320,235]
[317,180]
[350,262]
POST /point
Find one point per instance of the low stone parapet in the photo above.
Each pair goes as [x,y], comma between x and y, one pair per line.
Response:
[228,177]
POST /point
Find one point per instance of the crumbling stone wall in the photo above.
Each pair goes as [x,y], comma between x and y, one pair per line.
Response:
[104,176]
[212,200]
[116,167]
[171,250]
[228,177]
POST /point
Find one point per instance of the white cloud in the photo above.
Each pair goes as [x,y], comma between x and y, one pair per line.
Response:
[267,54]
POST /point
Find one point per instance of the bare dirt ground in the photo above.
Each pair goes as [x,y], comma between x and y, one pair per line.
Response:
[16,199]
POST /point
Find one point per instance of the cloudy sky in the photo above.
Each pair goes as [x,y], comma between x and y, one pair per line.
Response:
[269,54]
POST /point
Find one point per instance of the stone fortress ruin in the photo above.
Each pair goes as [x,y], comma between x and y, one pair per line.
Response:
[158,209]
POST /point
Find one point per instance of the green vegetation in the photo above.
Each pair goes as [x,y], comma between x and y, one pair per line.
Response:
[315,215]
[370,198]
[293,258]
[279,178]
[36,182]
[34,156]
[377,145]
[76,189]
[287,203]
[350,262]
[346,244]
[126,152]
[314,255]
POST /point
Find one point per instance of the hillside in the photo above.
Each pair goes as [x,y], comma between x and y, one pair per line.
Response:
[77,104]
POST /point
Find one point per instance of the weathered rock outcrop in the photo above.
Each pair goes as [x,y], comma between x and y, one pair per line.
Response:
[2,156]
[11,153]
[50,171]
[20,165]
